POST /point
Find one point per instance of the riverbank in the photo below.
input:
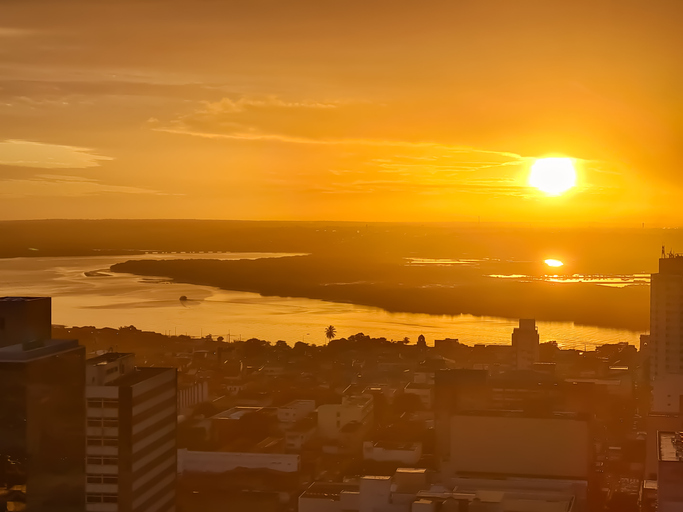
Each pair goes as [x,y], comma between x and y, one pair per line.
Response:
[395,287]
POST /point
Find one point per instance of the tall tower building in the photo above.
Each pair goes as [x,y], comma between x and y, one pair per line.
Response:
[525,344]
[42,411]
[666,335]
[131,436]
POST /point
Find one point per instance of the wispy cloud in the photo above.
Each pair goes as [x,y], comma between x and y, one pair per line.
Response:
[228,105]
[24,153]
[51,185]
[15,32]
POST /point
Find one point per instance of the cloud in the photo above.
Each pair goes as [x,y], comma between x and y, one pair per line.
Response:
[23,153]
[7,32]
[51,185]
[227,105]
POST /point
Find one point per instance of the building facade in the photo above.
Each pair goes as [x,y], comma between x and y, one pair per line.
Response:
[42,412]
[525,343]
[670,479]
[131,436]
[666,335]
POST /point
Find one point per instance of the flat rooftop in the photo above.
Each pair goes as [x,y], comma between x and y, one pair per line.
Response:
[138,375]
[17,352]
[109,357]
[328,491]
[21,299]
[671,446]
[235,413]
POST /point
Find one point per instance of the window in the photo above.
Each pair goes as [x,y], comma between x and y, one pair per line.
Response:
[106,441]
[106,461]
[111,423]
[110,404]
[101,498]
[94,423]
[102,479]
[94,402]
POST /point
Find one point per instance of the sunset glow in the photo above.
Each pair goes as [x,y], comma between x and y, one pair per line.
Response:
[553,176]
[553,263]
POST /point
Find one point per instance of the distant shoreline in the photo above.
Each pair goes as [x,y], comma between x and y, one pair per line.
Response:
[320,278]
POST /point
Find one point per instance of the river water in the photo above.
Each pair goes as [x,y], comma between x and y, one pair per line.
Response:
[104,299]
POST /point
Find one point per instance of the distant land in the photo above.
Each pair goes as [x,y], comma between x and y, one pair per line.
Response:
[589,250]
[366,263]
[440,290]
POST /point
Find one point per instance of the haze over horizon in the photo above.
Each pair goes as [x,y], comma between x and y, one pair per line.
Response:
[382,111]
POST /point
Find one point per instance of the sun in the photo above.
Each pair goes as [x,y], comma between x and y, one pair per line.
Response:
[553,263]
[553,176]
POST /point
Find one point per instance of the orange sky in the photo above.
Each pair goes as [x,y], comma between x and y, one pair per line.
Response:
[355,110]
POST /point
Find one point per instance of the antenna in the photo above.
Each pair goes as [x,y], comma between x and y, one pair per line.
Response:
[663,251]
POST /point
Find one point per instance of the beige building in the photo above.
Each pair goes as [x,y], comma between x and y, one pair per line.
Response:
[666,335]
[332,418]
[131,436]
[512,444]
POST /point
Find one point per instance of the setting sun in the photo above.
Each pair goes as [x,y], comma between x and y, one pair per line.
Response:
[553,263]
[553,175]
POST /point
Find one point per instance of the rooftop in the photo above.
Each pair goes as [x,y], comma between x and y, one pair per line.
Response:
[18,352]
[328,491]
[139,375]
[109,357]
[21,299]
[235,413]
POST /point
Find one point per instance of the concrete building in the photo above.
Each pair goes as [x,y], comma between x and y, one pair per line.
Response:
[525,342]
[332,418]
[299,434]
[295,411]
[666,335]
[407,454]
[505,443]
[131,435]
[42,412]
[409,490]
[219,462]
[670,479]
[655,423]
[425,392]
[192,394]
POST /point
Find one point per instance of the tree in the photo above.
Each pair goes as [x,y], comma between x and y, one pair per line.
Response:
[330,332]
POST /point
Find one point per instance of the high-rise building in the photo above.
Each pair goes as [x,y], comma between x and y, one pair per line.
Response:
[525,344]
[666,335]
[42,411]
[131,435]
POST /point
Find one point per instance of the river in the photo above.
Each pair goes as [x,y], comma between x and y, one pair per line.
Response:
[103,299]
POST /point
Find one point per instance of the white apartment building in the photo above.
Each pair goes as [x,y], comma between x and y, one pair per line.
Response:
[131,436]
[666,335]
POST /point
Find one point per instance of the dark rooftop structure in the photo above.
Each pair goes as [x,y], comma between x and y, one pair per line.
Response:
[25,320]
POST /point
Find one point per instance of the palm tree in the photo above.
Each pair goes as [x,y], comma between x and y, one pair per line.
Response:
[330,332]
